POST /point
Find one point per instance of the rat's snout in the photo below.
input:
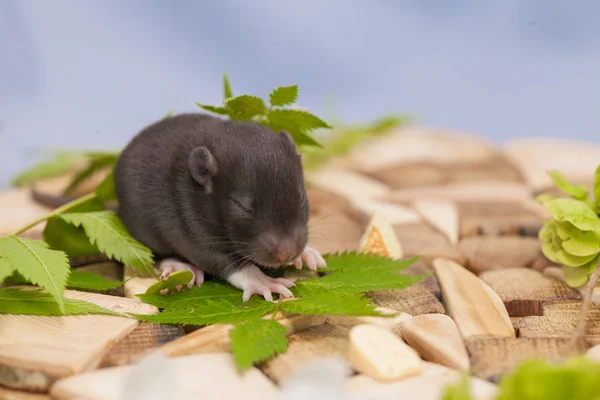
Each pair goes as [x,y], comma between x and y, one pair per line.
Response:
[279,250]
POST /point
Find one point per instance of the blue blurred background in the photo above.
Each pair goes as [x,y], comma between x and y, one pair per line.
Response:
[90,74]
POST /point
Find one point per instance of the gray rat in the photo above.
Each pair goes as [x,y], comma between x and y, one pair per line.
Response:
[225,197]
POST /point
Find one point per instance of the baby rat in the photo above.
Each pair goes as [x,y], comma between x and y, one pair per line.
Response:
[224,197]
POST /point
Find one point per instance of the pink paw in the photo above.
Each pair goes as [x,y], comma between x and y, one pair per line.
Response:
[170,265]
[311,257]
[253,281]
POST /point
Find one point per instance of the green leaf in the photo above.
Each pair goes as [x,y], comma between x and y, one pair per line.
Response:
[245,107]
[194,295]
[331,303]
[459,390]
[576,277]
[6,269]
[106,189]
[91,281]
[62,163]
[37,302]
[168,115]
[95,165]
[356,282]
[256,341]
[227,92]
[38,264]
[63,236]
[216,110]
[107,231]
[353,260]
[213,311]
[284,95]
[576,242]
[553,250]
[177,278]
[576,212]
[576,379]
[292,120]
[576,191]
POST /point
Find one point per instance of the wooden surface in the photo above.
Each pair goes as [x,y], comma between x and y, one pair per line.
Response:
[414,300]
[35,351]
[491,358]
[474,306]
[524,291]
[136,284]
[202,376]
[423,240]
[8,394]
[558,321]
[493,218]
[145,338]
[442,215]
[17,208]
[486,253]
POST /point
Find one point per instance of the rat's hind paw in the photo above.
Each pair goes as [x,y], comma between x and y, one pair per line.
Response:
[169,265]
[253,281]
[311,257]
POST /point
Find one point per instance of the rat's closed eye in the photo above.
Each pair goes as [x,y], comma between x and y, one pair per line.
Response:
[243,204]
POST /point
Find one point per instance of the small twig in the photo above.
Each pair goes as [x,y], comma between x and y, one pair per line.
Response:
[579,332]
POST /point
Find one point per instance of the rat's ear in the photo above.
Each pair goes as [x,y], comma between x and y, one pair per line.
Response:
[289,141]
[203,167]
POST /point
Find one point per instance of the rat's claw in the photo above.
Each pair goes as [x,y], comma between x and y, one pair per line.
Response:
[170,265]
[253,281]
[311,257]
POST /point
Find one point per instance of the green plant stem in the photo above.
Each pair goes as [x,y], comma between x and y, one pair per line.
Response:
[54,213]
[579,332]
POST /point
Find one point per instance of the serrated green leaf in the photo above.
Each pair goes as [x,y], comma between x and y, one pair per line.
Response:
[296,120]
[195,295]
[214,109]
[576,277]
[355,282]
[106,190]
[213,311]
[96,164]
[331,303]
[6,269]
[256,341]
[459,390]
[353,260]
[63,236]
[576,242]
[576,379]
[91,281]
[576,212]
[177,278]
[38,264]
[62,163]
[284,95]
[227,92]
[109,234]
[576,191]
[245,107]
[37,302]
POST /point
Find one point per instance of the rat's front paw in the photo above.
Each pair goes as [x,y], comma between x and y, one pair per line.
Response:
[311,257]
[170,265]
[253,281]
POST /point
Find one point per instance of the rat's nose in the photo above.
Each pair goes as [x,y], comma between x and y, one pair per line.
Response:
[285,250]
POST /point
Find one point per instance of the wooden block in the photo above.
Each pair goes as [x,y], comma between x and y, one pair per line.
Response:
[394,213]
[524,291]
[137,284]
[441,214]
[464,191]
[393,324]
[379,238]
[7,394]
[429,385]
[491,358]
[486,253]
[347,184]
[17,209]
[381,355]
[145,338]
[423,240]
[414,300]
[201,376]
[35,351]
[493,218]
[474,306]
[304,347]
[558,321]
[334,225]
